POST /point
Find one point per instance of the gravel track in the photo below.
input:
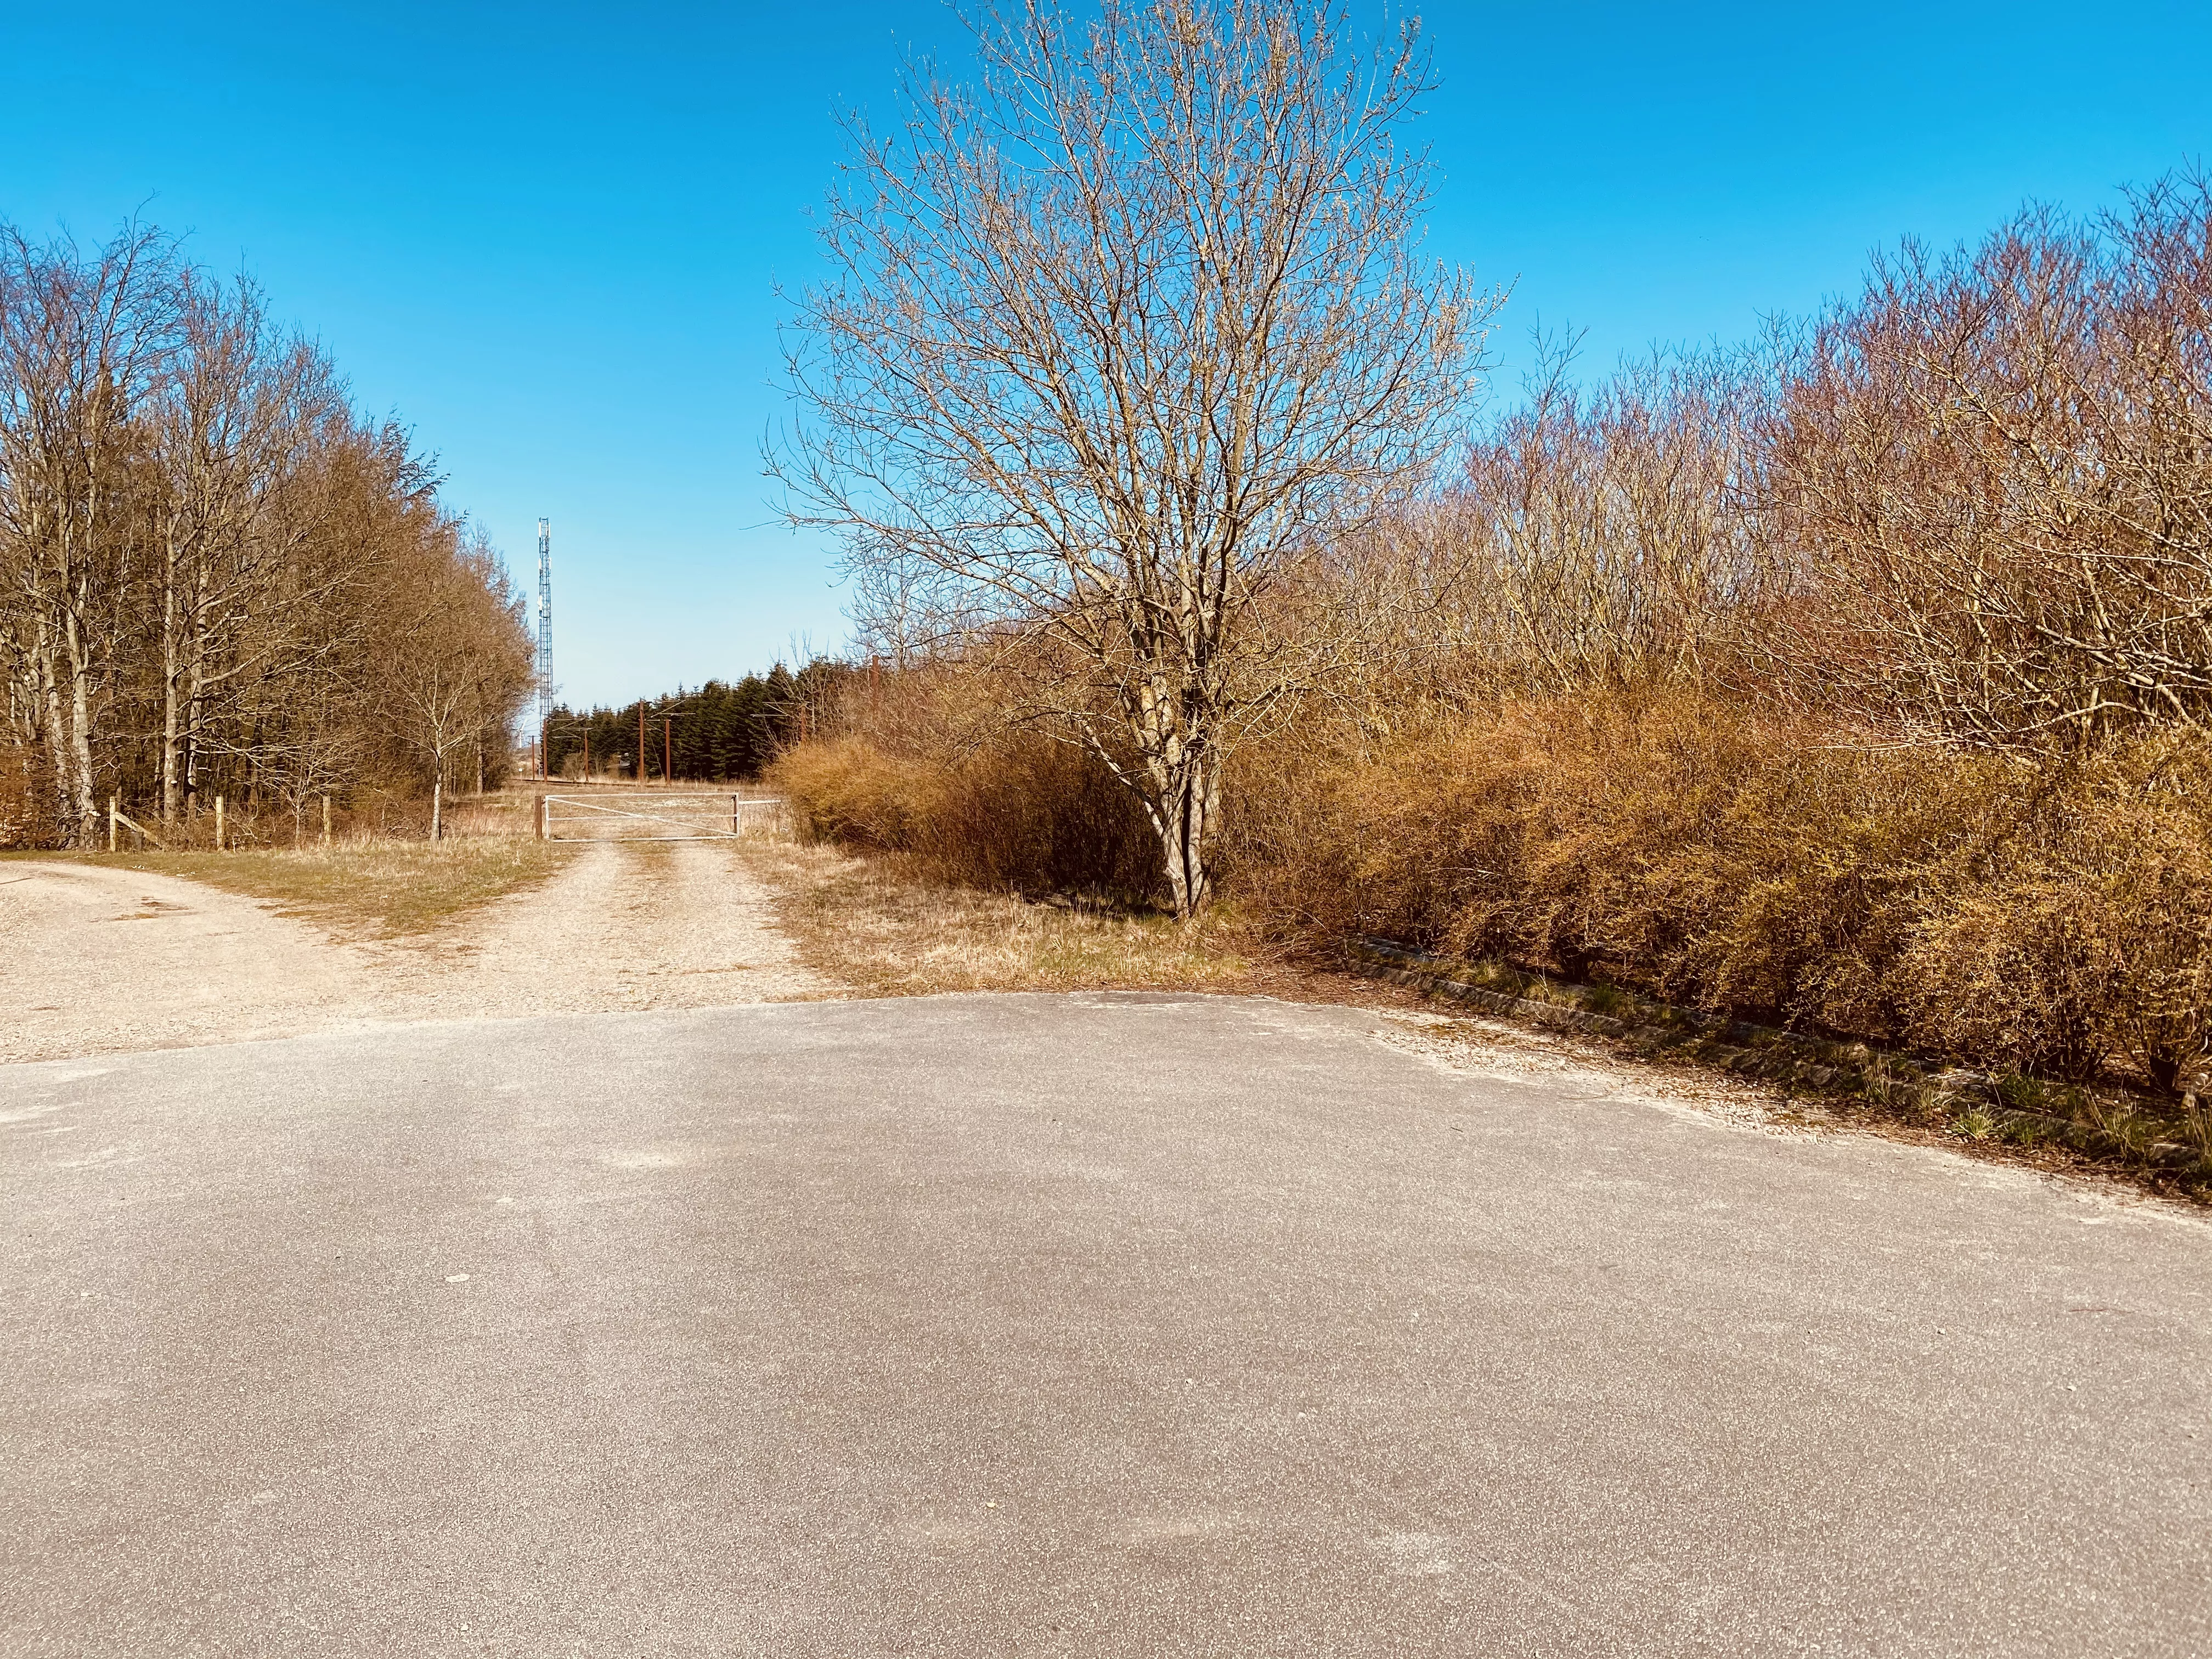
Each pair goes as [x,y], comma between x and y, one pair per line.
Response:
[97,960]
[625,926]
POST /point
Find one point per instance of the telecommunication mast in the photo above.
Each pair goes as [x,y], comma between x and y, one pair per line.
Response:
[544,640]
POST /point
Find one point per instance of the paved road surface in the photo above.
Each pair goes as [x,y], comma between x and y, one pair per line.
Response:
[1038,1325]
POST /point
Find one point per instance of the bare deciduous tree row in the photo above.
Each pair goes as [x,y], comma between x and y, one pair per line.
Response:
[215,576]
[1972,504]
[1991,479]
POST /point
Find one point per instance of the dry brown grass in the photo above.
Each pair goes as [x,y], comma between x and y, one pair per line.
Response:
[361,889]
[884,925]
[878,924]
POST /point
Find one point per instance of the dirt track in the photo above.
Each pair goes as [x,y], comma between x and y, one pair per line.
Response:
[96,960]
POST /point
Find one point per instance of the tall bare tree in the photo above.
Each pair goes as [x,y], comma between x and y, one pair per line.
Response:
[459,662]
[84,339]
[1120,334]
[234,435]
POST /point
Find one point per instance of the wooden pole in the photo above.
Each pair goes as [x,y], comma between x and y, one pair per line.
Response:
[112,807]
[667,750]
[218,823]
[326,820]
[641,742]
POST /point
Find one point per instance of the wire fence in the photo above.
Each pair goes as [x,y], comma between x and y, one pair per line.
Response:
[661,814]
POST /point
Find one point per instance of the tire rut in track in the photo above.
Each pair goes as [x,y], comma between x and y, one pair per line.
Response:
[625,926]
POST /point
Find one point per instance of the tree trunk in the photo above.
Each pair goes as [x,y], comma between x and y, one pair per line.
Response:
[438,804]
[1183,770]
[172,668]
[50,690]
[80,753]
[195,708]
[1187,820]
[1175,728]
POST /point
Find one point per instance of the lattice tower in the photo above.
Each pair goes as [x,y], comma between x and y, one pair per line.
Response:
[544,630]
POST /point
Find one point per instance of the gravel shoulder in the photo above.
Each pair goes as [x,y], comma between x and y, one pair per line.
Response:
[101,960]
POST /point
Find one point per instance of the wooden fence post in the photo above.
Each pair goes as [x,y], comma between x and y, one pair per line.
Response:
[326,820]
[218,823]
[112,804]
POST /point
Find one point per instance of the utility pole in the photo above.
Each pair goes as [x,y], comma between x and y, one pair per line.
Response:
[668,744]
[544,639]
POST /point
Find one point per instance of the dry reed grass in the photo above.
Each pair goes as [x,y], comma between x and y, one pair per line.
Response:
[2029,917]
[933,771]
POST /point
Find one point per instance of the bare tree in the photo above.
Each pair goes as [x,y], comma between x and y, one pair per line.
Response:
[1121,334]
[1993,471]
[458,663]
[232,437]
[83,341]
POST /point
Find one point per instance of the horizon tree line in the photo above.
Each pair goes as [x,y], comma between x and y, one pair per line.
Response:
[718,731]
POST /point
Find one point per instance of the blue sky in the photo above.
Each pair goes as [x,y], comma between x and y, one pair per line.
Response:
[548,236]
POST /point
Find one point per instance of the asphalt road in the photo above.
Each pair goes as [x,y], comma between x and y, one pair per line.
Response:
[1041,1325]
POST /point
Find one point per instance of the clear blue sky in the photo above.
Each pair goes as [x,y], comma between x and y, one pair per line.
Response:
[547,236]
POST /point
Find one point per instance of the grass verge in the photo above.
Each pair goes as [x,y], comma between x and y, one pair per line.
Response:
[878,924]
[369,889]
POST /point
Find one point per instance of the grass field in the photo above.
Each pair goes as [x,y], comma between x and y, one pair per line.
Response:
[366,889]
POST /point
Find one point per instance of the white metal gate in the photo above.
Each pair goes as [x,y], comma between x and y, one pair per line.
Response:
[652,815]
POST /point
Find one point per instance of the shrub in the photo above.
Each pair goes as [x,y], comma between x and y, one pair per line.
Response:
[2029,917]
[978,802]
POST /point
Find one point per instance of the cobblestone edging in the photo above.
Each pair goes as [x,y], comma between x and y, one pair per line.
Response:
[1946,1096]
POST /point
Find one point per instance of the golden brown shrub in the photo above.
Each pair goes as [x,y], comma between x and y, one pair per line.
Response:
[2020,915]
[2078,925]
[2017,916]
[925,770]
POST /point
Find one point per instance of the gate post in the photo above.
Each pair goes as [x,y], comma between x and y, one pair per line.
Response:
[538,818]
